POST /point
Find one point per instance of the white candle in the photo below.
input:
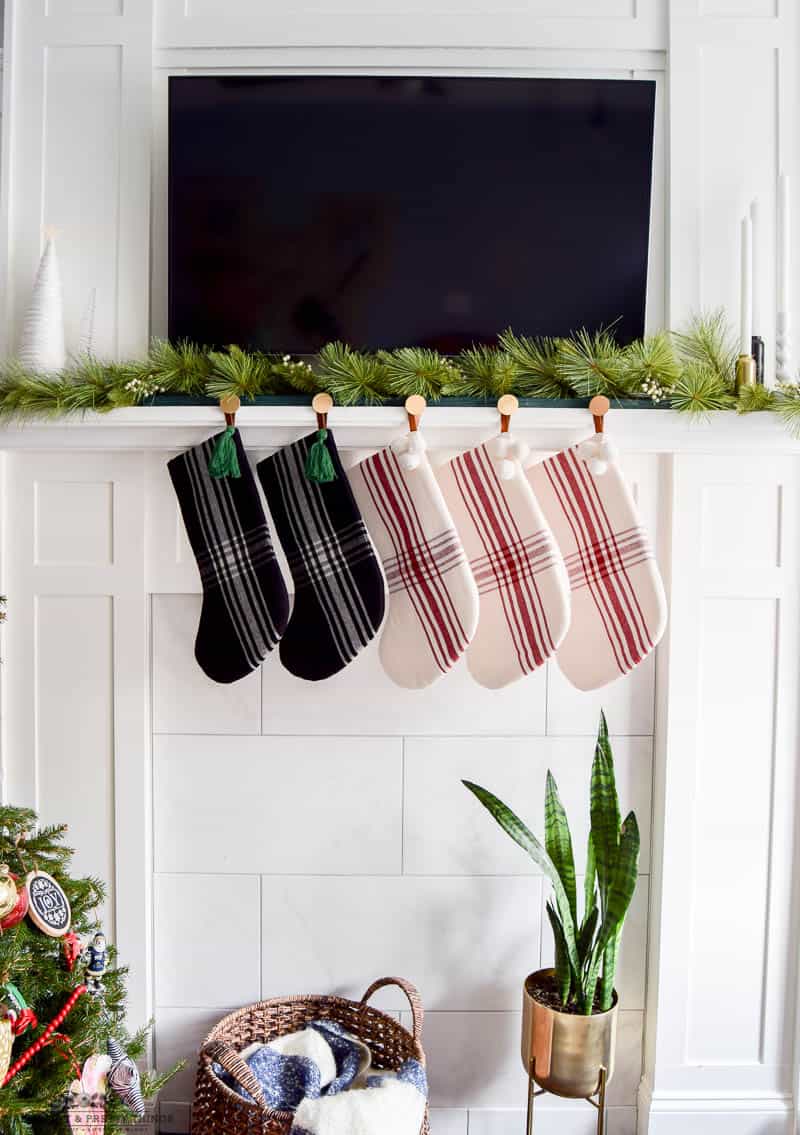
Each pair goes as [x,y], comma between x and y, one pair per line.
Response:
[746,318]
[758,283]
[784,242]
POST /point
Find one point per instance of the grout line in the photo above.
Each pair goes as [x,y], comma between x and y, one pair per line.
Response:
[547,672]
[261,937]
[357,875]
[403,806]
[518,735]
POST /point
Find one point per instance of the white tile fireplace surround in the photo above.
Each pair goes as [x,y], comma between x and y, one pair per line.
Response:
[274,836]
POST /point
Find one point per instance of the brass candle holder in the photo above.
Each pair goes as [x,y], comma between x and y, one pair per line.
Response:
[745,372]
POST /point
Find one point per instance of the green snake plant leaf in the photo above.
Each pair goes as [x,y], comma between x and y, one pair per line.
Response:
[604,810]
[609,969]
[513,826]
[586,936]
[620,893]
[558,842]
[623,884]
[563,968]
[589,892]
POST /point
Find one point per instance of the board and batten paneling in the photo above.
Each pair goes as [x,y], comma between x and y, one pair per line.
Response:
[83,117]
[77,90]
[719,1008]
[75,683]
[440,24]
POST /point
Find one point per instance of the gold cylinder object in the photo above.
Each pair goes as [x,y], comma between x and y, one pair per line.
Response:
[745,372]
[564,1052]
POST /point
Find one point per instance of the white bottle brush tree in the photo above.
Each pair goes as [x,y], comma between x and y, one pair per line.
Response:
[42,349]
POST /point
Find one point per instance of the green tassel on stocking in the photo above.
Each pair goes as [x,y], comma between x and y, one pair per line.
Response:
[225,460]
[319,467]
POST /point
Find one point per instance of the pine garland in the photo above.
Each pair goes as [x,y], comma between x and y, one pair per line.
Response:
[31,1103]
[691,371]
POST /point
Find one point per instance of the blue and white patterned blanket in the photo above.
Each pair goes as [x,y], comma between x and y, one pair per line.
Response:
[325,1076]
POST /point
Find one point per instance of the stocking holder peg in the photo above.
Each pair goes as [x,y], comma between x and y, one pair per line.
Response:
[321,405]
[229,406]
[507,404]
[596,452]
[598,408]
[505,447]
[415,407]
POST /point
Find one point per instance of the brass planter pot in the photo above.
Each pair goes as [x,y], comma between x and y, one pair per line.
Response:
[565,1052]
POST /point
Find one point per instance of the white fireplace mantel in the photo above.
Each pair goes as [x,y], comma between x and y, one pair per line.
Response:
[163,428]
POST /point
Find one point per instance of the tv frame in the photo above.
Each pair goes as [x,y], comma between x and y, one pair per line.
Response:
[656,307]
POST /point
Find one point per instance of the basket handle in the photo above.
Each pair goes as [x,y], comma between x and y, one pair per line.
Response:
[223,1054]
[414,1000]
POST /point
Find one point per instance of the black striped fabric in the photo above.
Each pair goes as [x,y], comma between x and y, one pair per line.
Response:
[339,592]
[245,603]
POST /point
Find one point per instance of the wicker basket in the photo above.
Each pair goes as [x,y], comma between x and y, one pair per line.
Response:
[218,1110]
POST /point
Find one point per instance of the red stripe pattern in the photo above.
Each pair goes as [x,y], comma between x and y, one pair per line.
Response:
[602,558]
[511,561]
[420,562]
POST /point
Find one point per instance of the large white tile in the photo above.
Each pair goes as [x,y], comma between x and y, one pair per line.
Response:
[554,1117]
[184,699]
[628,704]
[207,938]
[178,1034]
[632,962]
[447,832]
[465,943]
[361,699]
[287,805]
[474,1060]
[448,1121]
[174,1117]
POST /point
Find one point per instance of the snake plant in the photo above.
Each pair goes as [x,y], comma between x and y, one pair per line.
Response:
[585,949]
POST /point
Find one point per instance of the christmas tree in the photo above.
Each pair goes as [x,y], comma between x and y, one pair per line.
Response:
[45,968]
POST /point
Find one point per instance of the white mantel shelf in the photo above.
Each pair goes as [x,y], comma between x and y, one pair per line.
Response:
[171,428]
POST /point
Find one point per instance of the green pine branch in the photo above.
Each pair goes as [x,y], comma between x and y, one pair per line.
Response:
[351,376]
[538,366]
[417,370]
[482,372]
[709,342]
[700,390]
[593,363]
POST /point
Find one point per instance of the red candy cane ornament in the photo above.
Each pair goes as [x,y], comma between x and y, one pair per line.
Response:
[46,1036]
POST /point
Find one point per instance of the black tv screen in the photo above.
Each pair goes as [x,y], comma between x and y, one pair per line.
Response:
[389,211]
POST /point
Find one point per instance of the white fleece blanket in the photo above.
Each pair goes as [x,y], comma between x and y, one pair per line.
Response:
[324,1075]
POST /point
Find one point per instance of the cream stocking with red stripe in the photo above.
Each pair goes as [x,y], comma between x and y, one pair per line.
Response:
[524,593]
[619,610]
[433,601]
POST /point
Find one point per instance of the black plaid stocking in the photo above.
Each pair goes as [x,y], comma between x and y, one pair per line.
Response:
[339,592]
[245,603]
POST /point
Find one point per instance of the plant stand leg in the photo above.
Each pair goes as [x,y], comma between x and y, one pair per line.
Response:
[601,1104]
[531,1097]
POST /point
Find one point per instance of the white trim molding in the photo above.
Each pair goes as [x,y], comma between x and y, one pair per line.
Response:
[165,428]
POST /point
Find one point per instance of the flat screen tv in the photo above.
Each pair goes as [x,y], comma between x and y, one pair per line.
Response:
[388,211]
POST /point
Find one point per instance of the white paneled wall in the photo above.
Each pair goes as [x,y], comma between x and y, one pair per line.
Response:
[277,837]
[269,837]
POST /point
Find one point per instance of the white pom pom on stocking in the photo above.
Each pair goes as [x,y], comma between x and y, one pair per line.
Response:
[411,456]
